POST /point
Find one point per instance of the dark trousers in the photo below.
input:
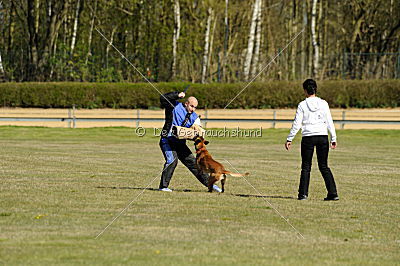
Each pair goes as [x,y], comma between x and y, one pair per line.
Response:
[307,149]
[173,150]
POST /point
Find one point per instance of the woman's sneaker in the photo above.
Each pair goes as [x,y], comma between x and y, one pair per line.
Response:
[331,197]
[302,197]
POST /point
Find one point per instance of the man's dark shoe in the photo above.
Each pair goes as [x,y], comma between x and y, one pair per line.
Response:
[331,197]
[302,197]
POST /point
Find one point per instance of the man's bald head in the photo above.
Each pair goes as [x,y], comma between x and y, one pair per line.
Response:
[191,104]
[192,99]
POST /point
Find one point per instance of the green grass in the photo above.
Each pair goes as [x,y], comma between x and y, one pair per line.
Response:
[61,187]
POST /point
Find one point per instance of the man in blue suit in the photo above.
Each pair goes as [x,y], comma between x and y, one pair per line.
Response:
[184,115]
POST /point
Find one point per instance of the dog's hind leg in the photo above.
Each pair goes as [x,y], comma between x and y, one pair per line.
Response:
[211,181]
[223,183]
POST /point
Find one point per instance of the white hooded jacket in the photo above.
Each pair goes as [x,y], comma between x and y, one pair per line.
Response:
[314,118]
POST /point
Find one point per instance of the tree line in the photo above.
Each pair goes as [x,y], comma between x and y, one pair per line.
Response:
[199,40]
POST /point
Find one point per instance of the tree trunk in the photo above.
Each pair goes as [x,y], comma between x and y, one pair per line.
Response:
[52,65]
[76,22]
[33,41]
[226,39]
[294,45]
[1,61]
[1,69]
[360,19]
[109,44]
[325,56]
[92,14]
[211,43]
[270,35]
[177,29]
[11,27]
[250,43]
[392,35]
[314,39]
[234,62]
[256,55]
[37,15]
[68,28]
[206,46]
[303,49]
[391,8]
[57,17]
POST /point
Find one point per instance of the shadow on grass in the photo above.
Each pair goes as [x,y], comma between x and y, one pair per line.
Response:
[263,196]
[153,189]
[193,190]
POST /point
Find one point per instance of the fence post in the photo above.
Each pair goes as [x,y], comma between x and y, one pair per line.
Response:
[274,117]
[343,119]
[73,117]
[137,118]
[69,117]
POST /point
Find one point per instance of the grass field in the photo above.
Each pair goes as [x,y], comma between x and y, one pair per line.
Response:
[61,187]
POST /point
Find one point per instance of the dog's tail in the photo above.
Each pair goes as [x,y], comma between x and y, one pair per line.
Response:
[235,174]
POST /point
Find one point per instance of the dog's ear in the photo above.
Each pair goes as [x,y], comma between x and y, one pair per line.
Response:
[206,142]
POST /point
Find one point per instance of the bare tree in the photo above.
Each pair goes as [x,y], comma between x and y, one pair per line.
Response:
[76,22]
[45,40]
[250,43]
[325,40]
[226,39]
[303,47]
[303,42]
[11,27]
[206,45]
[314,38]
[210,53]
[93,15]
[2,73]
[256,54]
[33,39]
[114,29]
[390,36]
[3,21]
[37,15]
[177,29]
[294,45]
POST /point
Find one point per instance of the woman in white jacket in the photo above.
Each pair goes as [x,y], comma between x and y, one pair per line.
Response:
[315,120]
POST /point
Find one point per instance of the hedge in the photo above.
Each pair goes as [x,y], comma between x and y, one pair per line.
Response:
[276,94]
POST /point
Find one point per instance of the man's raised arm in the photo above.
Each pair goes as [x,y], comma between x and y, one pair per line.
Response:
[168,100]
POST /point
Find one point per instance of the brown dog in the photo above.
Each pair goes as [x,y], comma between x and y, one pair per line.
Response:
[206,164]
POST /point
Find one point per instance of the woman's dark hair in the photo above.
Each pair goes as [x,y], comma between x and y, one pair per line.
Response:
[310,86]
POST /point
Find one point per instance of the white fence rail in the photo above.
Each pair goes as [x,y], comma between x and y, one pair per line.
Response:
[137,118]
